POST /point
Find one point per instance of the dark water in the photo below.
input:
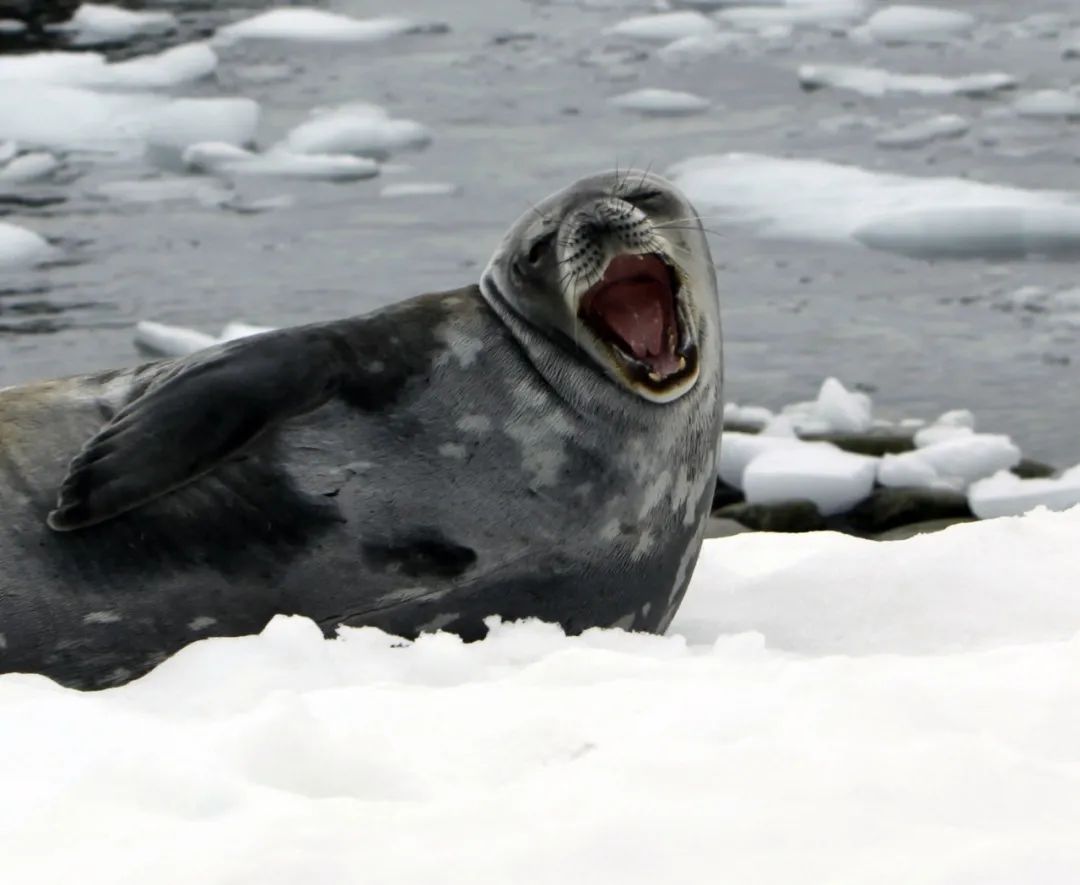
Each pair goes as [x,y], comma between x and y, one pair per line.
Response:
[515,94]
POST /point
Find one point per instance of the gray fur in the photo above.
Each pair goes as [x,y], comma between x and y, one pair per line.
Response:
[454,456]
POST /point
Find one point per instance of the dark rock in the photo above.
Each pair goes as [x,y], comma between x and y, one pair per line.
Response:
[902,533]
[724,528]
[875,442]
[1029,469]
[888,508]
[724,494]
[783,516]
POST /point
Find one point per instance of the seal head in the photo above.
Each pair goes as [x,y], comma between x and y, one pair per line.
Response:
[615,268]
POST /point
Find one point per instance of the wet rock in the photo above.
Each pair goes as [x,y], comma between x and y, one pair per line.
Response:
[724,528]
[874,442]
[904,532]
[725,494]
[783,516]
[889,508]
[1030,469]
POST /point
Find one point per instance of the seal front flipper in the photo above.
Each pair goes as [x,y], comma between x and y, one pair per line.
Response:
[197,415]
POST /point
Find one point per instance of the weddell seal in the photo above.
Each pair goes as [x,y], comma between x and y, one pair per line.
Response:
[540,445]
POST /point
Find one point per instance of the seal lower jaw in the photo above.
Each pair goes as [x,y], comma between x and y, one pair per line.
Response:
[643,326]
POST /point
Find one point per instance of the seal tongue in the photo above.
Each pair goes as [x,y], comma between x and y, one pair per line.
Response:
[634,304]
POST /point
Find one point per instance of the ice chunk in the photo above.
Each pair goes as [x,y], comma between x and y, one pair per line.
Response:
[313,25]
[1049,103]
[664,27]
[877,81]
[29,167]
[362,129]
[843,411]
[738,450]
[166,340]
[698,46]
[936,433]
[420,189]
[924,132]
[753,415]
[834,480]
[793,13]
[898,471]
[918,24]
[660,102]
[187,121]
[239,329]
[98,23]
[181,64]
[20,247]
[957,460]
[229,160]
[1005,494]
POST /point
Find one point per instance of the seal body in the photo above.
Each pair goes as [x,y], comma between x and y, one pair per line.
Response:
[423,467]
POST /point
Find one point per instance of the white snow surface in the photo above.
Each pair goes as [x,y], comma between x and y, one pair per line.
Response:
[834,480]
[660,102]
[925,217]
[917,24]
[312,25]
[824,709]
[878,81]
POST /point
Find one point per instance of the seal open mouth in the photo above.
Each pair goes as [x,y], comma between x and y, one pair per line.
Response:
[635,310]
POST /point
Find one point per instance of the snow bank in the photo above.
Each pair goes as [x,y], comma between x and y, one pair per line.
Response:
[898,712]
[664,27]
[920,217]
[366,130]
[877,81]
[917,24]
[660,103]
[20,247]
[1005,494]
[313,25]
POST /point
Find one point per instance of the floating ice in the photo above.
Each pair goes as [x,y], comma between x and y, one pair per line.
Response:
[166,190]
[698,46]
[420,189]
[1049,103]
[170,130]
[366,130]
[161,339]
[33,166]
[957,460]
[877,81]
[175,66]
[841,410]
[1005,494]
[228,160]
[917,24]
[739,450]
[753,415]
[660,103]
[920,217]
[313,25]
[98,23]
[664,27]
[834,480]
[793,13]
[20,247]
[924,132]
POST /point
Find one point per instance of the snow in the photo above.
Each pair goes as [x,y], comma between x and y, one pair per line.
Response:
[20,247]
[825,709]
[923,132]
[313,25]
[664,27]
[878,81]
[1048,103]
[1005,494]
[228,160]
[366,130]
[173,67]
[918,24]
[954,461]
[922,217]
[660,102]
[833,479]
[97,23]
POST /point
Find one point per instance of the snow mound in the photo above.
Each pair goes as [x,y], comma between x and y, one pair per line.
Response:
[366,130]
[919,217]
[1050,103]
[955,461]
[660,103]
[901,712]
[834,480]
[877,81]
[313,25]
[923,132]
[228,160]
[917,24]
[20,247]
[95,23]
[664,27]
[1005,494]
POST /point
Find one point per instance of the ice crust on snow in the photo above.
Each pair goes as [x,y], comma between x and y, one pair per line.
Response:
[904,712]
[917,24]
[660,102]
[313,25]
[834,480]
[920,217]
[20,247]
[877,81]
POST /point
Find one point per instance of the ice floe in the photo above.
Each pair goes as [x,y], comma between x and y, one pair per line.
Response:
[95,23]
[172,67]
[664,27]
[176,126]
[1053,103]
[1005,494]
[660,103]
[165,340]
[28,167]
[791,13]
[313,25]
[229,160]
[20,247]
[923,132]
[877,81]
[917,24]
[366,130]
[920,217]
[834,480]
[419,189]
[699,46]
[953,462]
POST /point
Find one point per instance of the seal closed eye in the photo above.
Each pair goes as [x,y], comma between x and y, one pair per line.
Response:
[540,444]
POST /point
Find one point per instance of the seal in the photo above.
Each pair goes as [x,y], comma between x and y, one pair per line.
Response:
[539,445]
